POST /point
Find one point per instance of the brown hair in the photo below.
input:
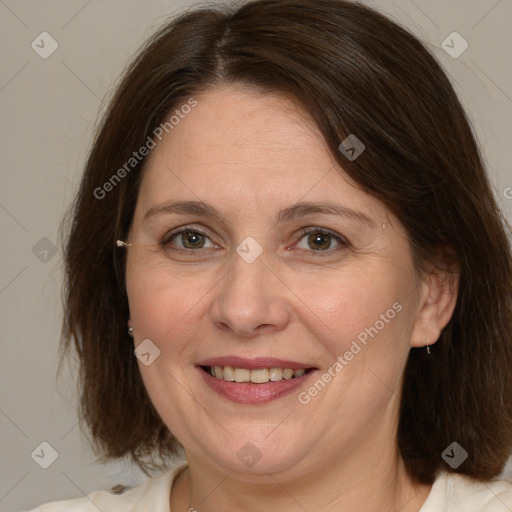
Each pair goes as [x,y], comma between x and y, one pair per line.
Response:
[356,72]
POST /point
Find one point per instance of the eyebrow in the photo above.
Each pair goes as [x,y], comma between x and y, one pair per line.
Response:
[288,214]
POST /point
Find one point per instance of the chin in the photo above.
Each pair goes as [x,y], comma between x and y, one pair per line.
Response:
[255,451]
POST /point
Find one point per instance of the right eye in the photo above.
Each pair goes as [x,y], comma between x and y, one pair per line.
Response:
[187,240]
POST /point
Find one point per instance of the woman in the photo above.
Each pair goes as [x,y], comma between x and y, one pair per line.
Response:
[285,217]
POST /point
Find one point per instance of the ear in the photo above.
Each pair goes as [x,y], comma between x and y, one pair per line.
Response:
[438,297]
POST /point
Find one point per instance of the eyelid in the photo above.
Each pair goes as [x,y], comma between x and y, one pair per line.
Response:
[184,229]
[342,241]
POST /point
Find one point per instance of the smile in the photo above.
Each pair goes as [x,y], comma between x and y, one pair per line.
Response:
[253,381]
[259,376]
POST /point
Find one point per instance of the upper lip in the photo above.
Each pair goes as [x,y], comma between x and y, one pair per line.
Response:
[253,363]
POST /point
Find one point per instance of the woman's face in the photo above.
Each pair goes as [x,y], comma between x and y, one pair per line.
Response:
[266,281]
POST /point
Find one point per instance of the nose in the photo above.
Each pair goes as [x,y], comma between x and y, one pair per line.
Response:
[251,299]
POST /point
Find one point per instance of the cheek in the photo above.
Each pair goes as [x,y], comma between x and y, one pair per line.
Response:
[160,301]
[166,311]
[348,305]
[363,320]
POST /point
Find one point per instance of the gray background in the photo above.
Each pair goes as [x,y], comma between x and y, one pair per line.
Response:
[49,109]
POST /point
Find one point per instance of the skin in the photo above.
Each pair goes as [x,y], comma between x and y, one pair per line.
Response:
[250,155]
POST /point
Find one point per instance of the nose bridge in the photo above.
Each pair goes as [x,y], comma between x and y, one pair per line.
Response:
[251,297]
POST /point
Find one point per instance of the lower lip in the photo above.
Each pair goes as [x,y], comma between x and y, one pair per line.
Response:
[250,393]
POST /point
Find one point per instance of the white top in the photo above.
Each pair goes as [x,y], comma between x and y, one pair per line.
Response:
[450,493]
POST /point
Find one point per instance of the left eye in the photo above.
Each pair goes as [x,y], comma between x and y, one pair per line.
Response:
[321,240]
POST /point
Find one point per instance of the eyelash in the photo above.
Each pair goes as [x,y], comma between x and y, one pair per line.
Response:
[342,241]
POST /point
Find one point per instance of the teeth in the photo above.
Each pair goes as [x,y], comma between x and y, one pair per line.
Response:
[229,374]
[242,375]
[259,376]
[275,374]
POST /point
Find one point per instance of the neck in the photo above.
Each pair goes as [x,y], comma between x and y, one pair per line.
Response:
[376,482]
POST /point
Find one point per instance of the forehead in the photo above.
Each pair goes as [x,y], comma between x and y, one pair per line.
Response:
[240,145]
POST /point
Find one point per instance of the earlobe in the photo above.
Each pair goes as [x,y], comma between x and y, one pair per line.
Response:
[438,297]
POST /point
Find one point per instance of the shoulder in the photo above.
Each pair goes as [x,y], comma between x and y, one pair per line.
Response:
[153,494]
[452,492]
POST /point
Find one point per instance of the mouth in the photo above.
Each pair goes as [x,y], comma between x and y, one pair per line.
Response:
[254,381]
[257,376]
